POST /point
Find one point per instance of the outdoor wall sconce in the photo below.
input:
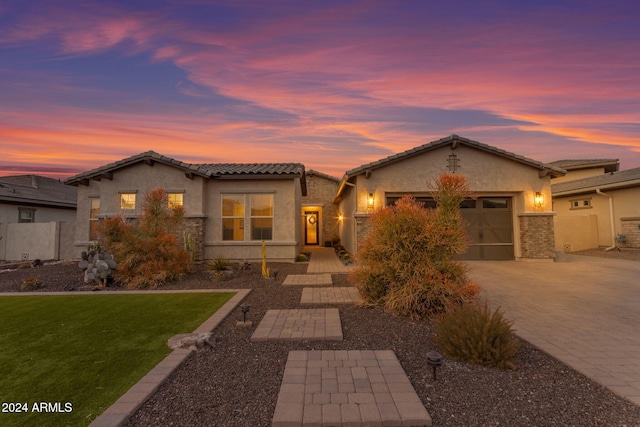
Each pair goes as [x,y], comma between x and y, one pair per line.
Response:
[370,201]
[434,359]
[538,200]
[340,217]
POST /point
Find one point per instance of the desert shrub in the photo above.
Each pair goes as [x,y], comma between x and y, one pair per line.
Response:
[473,333]
[301,258]
[219,264]
[30,284]
[147,252]
[406,263]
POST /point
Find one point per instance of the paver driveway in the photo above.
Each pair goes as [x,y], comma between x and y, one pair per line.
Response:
[584,312]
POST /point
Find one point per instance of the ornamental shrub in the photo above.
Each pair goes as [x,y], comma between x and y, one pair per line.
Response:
[472,333]
[147,251]
[406,263]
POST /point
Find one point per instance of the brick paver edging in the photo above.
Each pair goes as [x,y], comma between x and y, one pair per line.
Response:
[347,388]
[129,402]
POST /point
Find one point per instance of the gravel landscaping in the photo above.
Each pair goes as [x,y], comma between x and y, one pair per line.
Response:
[237,381]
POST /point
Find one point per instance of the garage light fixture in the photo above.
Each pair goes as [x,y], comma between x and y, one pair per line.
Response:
[370,201]
[538,200]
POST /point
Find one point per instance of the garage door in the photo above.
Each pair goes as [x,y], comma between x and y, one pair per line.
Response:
[490,225]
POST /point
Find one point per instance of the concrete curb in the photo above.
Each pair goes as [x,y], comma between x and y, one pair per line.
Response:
[129,402]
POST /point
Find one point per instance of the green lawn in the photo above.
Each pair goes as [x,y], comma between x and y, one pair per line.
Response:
[82,352]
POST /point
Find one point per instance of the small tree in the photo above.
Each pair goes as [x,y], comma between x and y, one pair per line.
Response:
[147,252]
[406,263]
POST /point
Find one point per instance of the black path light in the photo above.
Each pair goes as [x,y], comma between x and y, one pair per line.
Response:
[245,310]
[434,359]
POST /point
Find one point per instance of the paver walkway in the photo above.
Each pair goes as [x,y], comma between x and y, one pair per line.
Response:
[324,260]
[347,388]
[346,295]
[583,312]
[300,324]
[323,279]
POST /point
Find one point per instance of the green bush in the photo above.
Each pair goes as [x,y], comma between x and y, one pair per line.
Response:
[406,263]
[472,333]
[301,258]
[219,264]
[147,252]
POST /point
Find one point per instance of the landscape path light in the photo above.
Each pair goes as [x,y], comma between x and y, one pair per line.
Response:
[245,310]
[434,359]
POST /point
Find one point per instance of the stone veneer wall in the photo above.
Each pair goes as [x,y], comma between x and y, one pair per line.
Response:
[631,231]
[195,228]
[537,240]
[363,228]
[321,191]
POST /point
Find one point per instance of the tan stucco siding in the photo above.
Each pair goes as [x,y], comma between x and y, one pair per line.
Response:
[285,244]
[591,227]
[141,179]
[579,174]
[347,227]
[486,174]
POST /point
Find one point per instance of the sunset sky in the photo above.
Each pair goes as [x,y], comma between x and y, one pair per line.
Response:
[331,84]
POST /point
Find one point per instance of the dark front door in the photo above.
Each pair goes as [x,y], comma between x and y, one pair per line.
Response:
[311,228]
[490,225]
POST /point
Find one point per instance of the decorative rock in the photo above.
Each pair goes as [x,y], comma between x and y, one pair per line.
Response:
[191,341]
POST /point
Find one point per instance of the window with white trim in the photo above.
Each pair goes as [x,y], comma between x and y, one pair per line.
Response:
[26,215]
[94,222]
[127,201]
[261,216]
[175,200]
[233,217]
[581,203]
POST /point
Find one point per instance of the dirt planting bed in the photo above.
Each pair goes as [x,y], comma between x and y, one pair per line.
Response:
[236,383]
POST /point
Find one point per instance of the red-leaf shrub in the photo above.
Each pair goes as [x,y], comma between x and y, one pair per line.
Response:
[406,263]
[147,251]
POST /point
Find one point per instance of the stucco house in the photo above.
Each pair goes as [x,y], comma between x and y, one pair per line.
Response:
[37,218]
[319,213]
[33,198]
[229,208]
[509,216]
[594,203]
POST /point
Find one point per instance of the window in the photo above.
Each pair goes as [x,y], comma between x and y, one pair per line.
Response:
[176,200]
[26,215]
[233,217]
[581,204]
[127,201]
[261,216]
[94,224]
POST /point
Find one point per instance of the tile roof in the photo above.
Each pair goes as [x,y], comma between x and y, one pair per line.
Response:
[611,165]
[146,156]
[37,190]
[553,170]
[222,169]
[625,178]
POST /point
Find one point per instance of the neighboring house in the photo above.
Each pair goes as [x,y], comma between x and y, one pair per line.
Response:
[319,214]
[584,168]
[509,216]
[596,205]
[33,198]
[37,218]
[229,208]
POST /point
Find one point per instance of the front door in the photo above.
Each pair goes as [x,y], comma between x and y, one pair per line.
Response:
[311,228]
